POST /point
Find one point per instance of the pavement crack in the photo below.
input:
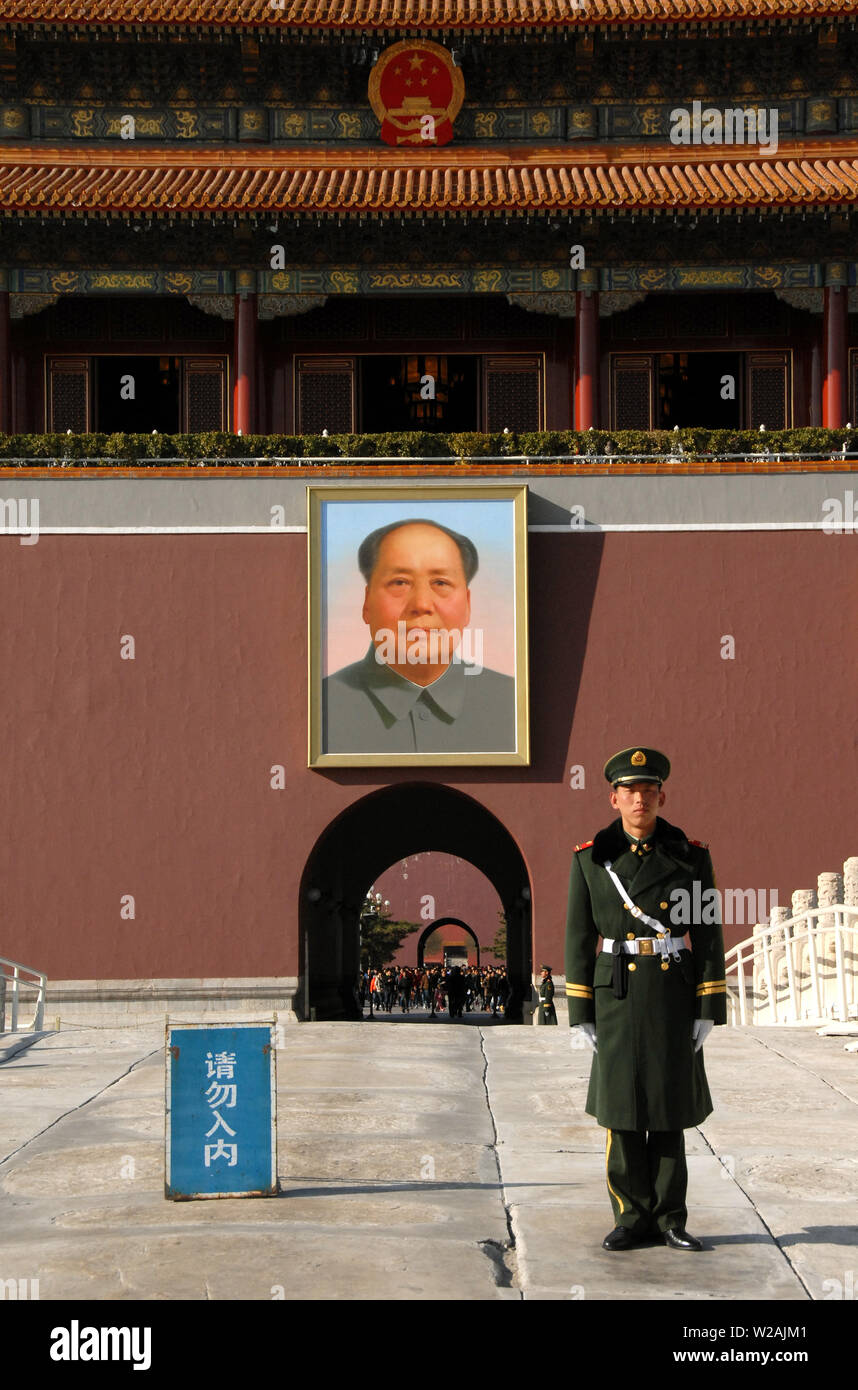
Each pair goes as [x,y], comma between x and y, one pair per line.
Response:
[802,1066]
[759,1215]
[502,1253]
[73,1109]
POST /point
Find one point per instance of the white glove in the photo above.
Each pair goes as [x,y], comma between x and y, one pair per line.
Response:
[583,1035]
[700,1031]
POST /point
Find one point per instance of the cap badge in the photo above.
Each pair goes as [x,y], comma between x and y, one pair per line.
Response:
[638,759]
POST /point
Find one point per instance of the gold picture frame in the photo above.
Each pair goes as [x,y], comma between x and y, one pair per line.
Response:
[432,670]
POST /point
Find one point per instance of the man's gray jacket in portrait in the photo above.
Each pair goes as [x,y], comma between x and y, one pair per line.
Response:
[369,708]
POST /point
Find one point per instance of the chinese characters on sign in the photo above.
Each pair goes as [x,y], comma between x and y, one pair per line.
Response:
[221,1111]
[217,1095]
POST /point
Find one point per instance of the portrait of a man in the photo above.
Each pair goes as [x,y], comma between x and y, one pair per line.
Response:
[424,688]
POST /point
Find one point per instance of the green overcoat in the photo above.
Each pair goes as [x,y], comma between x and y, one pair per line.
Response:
[547,1012]
[646,1074]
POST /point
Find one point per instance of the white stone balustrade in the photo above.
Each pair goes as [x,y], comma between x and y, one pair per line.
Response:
[803,964]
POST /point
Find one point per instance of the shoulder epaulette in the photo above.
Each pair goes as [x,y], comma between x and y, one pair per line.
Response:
[701,844]
[586,845]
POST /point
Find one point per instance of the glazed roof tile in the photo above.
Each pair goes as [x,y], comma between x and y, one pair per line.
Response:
[42,180]
[417,15]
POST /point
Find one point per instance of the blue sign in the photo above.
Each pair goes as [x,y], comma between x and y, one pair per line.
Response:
[221,1111]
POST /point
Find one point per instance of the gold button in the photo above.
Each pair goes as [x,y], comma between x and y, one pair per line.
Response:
[630,936]
[626,906]
[632,965]
[664,965]
[662,904]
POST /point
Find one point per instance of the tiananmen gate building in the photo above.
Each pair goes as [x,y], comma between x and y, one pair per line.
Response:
[207,190]
[356,217]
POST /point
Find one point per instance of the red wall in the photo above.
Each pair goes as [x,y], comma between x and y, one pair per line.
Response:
[457,889]
[151,777]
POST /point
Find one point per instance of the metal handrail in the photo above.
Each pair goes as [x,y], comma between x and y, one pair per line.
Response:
[17,980]
[676,456]
[805,929]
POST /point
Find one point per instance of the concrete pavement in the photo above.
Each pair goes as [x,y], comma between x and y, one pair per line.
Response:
[426,1161]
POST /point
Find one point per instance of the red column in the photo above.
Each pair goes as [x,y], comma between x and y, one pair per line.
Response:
[244,395]
[834,339]
[5,365]
[586,359]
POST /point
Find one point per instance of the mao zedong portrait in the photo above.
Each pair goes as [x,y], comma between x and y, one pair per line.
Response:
[421,687]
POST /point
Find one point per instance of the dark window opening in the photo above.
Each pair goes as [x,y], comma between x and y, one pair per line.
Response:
[702,389]
[423,391]
[137,394]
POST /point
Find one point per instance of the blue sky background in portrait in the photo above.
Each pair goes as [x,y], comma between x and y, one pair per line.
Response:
[490,524]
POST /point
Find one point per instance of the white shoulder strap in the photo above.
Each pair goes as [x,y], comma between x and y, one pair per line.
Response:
[635,911]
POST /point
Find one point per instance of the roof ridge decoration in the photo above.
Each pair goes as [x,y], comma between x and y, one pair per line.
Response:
[418,16]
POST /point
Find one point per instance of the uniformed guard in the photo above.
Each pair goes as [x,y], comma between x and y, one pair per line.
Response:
[547,1011]
[641,999]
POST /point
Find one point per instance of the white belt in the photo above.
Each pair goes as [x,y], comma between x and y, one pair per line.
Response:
[661,945]
[642,946]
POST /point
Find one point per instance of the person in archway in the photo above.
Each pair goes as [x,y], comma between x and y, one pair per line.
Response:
[413,692]
[642,1000]
[547,1012]
[456,991]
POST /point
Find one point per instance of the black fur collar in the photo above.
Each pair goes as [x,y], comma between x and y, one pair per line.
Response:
[611,842]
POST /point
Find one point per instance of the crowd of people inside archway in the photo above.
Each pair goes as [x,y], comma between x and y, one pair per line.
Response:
[436,989]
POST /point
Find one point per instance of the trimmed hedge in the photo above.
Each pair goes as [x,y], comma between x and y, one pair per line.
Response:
[152,450]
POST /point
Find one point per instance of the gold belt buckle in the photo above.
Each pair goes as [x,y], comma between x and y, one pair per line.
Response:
[645,947]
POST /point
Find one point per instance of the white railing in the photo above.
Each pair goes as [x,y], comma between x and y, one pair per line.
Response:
[803,970]
[14,977]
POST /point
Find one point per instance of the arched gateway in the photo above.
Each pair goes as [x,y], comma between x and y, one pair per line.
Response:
[378,831]
[445,922]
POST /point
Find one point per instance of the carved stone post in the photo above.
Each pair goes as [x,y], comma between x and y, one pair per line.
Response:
[850,881]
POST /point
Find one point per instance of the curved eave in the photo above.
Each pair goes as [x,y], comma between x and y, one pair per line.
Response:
[427,17]
[38,180]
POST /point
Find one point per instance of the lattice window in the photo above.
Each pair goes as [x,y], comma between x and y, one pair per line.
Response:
[136,319]
[651,319]
[437,318]
[340,320]
[632,393]
[184,320]
[757,314]
[700,316]
[769,383]
[79,316]
[513,393]
[494,318]
[68,395]
[326,394]
[204,395]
